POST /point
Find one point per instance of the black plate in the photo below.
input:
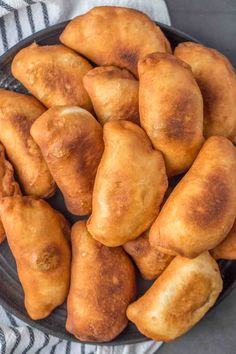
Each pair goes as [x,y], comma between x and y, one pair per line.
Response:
[11,294]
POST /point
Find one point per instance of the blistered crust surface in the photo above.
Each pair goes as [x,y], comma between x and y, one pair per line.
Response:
[149,260]
[201,210]
[71,141]
[53,74]
[171,109]
[37,238]
[114,93]
[114,36]
[102,286]
[17,113]
[129,185]
[217,81]
[178,299]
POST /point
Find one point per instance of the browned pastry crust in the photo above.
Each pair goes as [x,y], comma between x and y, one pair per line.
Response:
[178,299]
[117,36]
[227,248]
[171,109]
[201,210]
[129,185]
[71,142]
[217,81]
[149,260]
[102,286]
[8,185]
[37,238]
[113,92]
[17,114]
[53,73]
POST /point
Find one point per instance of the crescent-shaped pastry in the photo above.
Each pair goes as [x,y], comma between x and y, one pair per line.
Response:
[17,113]
[201,210]
[118,36]
[53,74]
[178,299]
[129,185]
[71,142]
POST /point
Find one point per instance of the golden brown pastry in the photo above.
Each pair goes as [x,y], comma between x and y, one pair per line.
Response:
[113,92]
[129,185]
[201,210]
[53,74]
[227,248]
[171,109]
[8,185]
[217,81]
[102,286]
[178,299]
[71,141]
[117,36]
[149,261]
[17,114]
[37,239]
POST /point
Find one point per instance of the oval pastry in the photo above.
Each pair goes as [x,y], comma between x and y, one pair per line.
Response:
[171,109]
[178,299]
[113,92]
[53,74]
[102,286]
[38,239]
[217,81]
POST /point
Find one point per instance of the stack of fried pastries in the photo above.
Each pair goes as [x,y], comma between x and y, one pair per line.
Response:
[116,120]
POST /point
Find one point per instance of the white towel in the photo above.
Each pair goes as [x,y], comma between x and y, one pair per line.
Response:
[19,19]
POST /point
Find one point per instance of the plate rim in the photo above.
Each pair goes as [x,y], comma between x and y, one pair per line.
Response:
[4,59]
[60,26]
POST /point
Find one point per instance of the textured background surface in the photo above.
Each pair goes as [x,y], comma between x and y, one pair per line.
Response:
[211,21]
[214,23]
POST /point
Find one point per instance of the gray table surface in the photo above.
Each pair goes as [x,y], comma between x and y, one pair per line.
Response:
[214,23]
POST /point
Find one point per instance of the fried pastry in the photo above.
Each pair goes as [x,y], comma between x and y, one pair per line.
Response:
[178,299]
[117,36]
[149,261]
[71,141]
[171,109]
[8,185]
[38,241]
[201,210]
[53,74]
[113,92]
[129,185]
[227,248]
[217,81]
[103,284]
[17,114]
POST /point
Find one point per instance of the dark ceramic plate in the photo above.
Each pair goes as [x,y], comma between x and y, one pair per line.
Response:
[11,294]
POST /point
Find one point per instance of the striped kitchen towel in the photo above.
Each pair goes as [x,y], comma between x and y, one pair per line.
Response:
[19,19]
